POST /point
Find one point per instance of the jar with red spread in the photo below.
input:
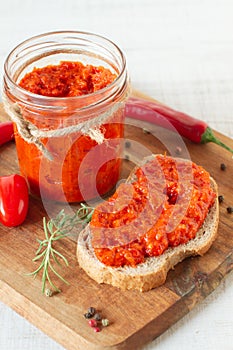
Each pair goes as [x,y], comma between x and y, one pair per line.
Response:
[66,93]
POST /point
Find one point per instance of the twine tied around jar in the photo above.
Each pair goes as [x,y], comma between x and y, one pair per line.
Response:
[31,134]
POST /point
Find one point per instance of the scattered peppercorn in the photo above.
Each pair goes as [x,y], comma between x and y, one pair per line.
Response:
[91,310]
[220,199]
[96,329]
[92,323]
[230,210]
[97,317]
[178,150]
[145,131]
[105,322]
[223,166]
[88,315]
[127,144]
[48,292]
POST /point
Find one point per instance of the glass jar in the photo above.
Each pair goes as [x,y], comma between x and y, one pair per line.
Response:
[69,148]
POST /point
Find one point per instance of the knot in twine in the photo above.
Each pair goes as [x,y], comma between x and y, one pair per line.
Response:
[31,134]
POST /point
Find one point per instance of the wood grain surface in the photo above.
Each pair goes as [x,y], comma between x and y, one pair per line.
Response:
[136,318]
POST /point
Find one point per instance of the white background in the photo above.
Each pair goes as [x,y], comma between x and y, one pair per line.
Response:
[179,52]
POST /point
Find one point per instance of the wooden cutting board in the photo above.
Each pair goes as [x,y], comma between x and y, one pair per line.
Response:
[136,318]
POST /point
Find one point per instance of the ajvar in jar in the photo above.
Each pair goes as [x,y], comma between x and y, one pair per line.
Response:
[60,96]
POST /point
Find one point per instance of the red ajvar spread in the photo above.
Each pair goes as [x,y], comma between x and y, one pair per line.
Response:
[69,79]
[164,207]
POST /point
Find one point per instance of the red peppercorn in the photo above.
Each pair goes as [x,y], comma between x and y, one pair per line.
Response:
[97,329]
[92,323]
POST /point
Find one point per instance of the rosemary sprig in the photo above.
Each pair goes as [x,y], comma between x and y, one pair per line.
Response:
[56,229]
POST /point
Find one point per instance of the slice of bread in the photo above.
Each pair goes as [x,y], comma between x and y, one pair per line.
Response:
[153,271]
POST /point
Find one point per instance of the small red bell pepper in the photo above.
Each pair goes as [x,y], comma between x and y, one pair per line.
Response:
[154,112]
[6,132]
[14,198]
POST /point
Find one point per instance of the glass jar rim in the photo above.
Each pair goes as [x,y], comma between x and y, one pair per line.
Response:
[48,99]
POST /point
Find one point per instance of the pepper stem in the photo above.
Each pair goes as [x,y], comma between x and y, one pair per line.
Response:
[209,136]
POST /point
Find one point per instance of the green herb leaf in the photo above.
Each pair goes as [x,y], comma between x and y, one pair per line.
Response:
[55,230]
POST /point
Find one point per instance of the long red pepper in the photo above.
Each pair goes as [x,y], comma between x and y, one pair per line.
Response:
[153,112]
[6,132]
[161,115]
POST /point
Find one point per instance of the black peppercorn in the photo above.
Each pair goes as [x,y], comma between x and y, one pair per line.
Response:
[223,166]
[91,310]
[127,144]
[230,210]
[88,315]
[97,317]
[220,199]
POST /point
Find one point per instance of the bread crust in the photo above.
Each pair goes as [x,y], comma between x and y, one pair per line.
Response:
[153,272]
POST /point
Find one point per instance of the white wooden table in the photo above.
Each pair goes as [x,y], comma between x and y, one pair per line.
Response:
[178,51]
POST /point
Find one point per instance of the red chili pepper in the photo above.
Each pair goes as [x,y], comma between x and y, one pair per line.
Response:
[6,132]
[154,112]
[14,200]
